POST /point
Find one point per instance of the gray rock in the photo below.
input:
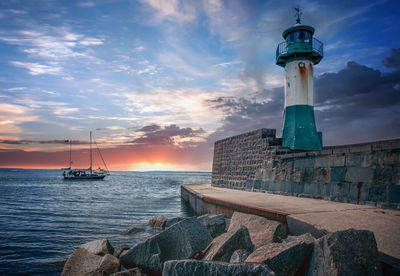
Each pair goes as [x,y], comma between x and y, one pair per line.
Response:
[131,272]
[239,256]
[172,221]
[207,268]
[133,230]
[348,252]
[284,258]
[98,247]
[223,246]
[215,224]
[119,250]
[262,230]
[157,222]
[180,241]
[82,262]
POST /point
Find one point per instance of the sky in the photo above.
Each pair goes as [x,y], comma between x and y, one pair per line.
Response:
[159,81]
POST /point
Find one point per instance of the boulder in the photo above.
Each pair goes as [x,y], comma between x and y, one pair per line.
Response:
[223,246]
[215,224]
[131,272]
[108,265]
[239,256]
[82,262]
[133,230]
[172,221]
[262,230]
[180,241]
[207,268]
[284,258]
[119,250]
[157,222]
[98,247]
[348,252]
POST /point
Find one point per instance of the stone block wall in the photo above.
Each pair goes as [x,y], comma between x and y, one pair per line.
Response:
[364,173]
[238,158]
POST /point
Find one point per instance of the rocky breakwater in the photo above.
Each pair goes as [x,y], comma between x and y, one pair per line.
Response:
[250,245]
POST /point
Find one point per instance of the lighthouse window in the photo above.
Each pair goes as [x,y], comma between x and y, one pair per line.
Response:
[301,36]
[290,38]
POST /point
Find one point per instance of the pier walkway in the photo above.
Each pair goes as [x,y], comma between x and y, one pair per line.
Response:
[315,216]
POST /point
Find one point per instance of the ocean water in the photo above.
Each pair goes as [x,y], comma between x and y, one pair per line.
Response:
[43,218]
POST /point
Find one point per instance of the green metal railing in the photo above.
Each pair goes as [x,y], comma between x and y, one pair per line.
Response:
[286,48]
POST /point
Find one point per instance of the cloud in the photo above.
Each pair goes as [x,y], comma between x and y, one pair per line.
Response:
[392,61]
[29,142]
[15,115]
[174,10]
[51,47]
[263,110]
[169,135]
[88,4]
[91,41]
[37,68]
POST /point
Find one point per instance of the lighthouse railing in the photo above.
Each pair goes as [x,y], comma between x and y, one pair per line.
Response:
[313,45]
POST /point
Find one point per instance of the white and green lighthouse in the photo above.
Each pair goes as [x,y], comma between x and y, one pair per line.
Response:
[298,54]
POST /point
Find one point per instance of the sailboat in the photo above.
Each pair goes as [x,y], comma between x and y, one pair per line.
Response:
[85,174]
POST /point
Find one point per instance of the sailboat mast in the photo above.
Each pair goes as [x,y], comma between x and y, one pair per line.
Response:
[90,152]
[70,154]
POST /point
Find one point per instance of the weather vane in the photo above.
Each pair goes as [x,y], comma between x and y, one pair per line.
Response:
[298,14]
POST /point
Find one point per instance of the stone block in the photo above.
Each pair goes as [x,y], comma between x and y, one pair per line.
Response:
[215,224]
[338,174]
[385,175]
[321,161]
[98,247]
[322,175]
[340,191]
[395,144]
[222,247]
[394,193]
[378,193]
[304,163]
[284,258]
[239,256]
[360,148]
[326,151]
[336,160]
[180,241]
[348,252]
[354,160]
[326,189]
[261,230]
[356,174]
[312,189]
[340,150]
[207,268]
[307,175]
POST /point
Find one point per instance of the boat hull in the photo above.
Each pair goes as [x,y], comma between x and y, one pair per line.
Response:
[88,177]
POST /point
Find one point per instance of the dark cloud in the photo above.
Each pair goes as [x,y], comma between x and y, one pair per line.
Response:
[155,135]
[264,110]
[392,61]
[356,104]
[27,142]
[150,128]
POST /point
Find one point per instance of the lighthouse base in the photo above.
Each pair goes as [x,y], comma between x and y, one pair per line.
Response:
[299,131]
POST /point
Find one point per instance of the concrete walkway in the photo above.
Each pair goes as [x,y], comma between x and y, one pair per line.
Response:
[302,214]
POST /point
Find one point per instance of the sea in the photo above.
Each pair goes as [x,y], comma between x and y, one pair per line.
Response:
[43,218]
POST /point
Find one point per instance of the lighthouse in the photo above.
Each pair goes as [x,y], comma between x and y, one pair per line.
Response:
[298,54]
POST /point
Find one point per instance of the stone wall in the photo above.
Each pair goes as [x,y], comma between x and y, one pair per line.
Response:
[364,173]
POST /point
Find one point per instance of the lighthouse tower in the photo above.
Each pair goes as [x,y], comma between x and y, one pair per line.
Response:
[298,54]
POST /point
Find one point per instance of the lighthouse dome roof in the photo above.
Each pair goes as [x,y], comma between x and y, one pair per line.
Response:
[298,27]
